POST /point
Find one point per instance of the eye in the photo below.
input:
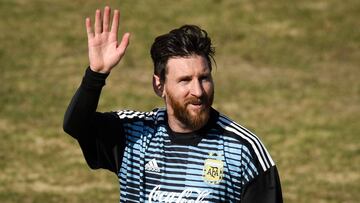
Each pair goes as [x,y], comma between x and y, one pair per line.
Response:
[184,79]
[205,78]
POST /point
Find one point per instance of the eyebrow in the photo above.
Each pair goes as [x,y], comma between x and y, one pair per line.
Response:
[185,77]
[189,77]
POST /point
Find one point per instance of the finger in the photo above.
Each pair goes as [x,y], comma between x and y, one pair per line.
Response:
[98,23]
[124,43]
[106,19]
[89,31]
[115,23]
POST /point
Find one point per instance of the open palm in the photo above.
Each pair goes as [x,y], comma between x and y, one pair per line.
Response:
[104,49]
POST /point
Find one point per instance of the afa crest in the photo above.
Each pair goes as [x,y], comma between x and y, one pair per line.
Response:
[213,171]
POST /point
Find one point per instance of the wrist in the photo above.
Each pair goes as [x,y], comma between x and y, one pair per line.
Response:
[97,73]
[99,70]
[93,80]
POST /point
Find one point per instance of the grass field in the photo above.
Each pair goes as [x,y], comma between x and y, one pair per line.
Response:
[288,70]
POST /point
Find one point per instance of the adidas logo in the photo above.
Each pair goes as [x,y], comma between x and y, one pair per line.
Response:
[152,166]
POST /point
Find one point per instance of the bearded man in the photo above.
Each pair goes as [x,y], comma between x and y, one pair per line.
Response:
[185,152]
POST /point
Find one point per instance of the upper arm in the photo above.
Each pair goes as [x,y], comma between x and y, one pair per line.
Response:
[103,142]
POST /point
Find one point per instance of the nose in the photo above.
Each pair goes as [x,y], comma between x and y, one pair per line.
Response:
[197,89]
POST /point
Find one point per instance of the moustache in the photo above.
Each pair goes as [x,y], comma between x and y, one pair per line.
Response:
[197,100]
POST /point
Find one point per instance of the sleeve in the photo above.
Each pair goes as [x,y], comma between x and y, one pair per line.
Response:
[264,188]
[100,135]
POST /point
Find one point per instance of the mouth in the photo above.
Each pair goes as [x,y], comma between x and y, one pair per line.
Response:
[197,105]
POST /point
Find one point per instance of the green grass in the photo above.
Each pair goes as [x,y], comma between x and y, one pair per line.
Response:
[288,70]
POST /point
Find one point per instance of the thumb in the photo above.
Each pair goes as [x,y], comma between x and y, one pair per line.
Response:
[123,44]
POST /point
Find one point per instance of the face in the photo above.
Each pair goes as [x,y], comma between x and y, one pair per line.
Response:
[188,91]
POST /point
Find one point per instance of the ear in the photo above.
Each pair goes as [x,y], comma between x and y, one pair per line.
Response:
[158,86]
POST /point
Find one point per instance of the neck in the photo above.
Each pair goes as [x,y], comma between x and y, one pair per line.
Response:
[178,126]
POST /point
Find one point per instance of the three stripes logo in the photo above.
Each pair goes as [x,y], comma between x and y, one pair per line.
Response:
[152,166]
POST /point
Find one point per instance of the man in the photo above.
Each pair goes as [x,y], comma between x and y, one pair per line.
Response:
[185,152]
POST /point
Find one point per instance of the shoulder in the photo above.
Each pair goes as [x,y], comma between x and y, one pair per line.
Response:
[154,115]
[247,139]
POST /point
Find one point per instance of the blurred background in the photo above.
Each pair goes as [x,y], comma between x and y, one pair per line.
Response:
[287,70]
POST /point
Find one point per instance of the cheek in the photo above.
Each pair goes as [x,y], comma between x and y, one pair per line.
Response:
[173,95]
[177,92]
[209,89]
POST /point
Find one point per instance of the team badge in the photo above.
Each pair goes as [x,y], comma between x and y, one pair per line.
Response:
[213,170]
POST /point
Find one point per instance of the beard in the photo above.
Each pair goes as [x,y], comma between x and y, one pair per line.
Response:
[192,119]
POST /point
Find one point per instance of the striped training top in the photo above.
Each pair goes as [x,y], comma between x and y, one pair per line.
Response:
[214,165]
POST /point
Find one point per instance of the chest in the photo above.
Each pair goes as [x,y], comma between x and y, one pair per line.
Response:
[157,170]
[174,173]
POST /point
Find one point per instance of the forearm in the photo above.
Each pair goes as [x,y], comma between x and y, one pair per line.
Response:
[81,111]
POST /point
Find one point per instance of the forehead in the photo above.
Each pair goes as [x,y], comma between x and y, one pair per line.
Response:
[194,64]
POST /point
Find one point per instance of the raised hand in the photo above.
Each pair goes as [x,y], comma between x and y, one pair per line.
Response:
[104,49]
